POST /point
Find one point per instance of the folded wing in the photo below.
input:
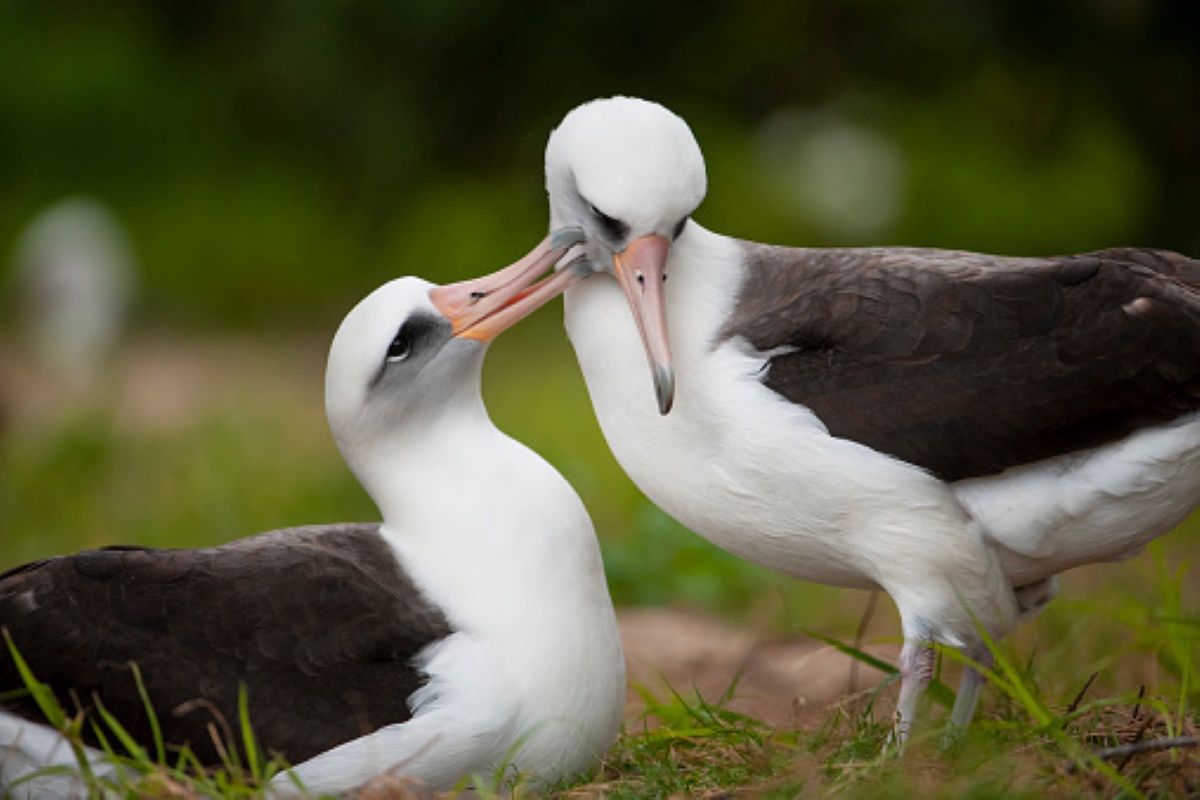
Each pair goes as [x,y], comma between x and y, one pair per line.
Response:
[320,624]
[967,364]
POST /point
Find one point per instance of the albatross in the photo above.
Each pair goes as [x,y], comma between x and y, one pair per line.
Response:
[470,629]
[954,428]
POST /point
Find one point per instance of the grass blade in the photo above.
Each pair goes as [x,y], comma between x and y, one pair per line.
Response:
[160,752]
[136,752]
[939,692]
[248,742]
[42,695]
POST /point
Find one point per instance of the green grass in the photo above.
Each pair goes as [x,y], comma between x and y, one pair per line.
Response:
[1026,742]
[235,442]
[129,769]
[688,746]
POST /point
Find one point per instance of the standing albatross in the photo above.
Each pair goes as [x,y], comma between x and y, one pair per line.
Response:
[471,628]
[954,428]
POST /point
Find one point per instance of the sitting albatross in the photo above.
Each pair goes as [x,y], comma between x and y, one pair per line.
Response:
[954,428]
[471,626]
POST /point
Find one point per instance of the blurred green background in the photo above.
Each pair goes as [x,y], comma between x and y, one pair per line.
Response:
[272,162]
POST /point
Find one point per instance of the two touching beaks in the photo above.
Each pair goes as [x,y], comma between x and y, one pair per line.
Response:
[482,308]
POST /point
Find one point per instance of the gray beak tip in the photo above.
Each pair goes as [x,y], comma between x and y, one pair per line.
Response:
[566,237]
[664,388]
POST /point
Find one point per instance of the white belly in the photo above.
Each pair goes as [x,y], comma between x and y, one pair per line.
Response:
[1095,505]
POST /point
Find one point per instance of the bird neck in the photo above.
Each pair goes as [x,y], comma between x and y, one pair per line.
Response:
[705,273]
[431,450]
[461,492]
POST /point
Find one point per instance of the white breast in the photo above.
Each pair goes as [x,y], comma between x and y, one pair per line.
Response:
[536,662]
[743,467]
[761,477]
[533,675]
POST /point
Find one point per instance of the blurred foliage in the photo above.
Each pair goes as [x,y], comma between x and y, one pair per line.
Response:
[253,455]
[276,160]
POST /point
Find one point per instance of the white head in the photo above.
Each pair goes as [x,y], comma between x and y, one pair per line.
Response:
[395,362]
[621,168]
[411,353]
[629,173]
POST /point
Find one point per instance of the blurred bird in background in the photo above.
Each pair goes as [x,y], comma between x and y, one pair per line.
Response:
[74,271]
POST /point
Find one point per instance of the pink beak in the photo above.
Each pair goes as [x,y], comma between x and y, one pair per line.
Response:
[641,271]
[482,308]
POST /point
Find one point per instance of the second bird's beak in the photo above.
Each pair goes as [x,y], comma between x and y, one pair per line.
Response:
[640,269]
[482,308]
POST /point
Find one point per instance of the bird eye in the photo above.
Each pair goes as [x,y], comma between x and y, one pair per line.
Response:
[401,346]
[416,340]
[613,227]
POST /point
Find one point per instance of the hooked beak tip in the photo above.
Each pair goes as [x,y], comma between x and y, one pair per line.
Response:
[664,387]
[567,237]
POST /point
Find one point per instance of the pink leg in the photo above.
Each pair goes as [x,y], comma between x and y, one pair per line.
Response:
[917,661]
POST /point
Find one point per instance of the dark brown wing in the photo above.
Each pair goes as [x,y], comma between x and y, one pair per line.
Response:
[968,364]
[320,624]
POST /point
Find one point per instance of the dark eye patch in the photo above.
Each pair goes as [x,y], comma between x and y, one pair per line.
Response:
[679,228]
[614,228]
[418,333]
[409,337]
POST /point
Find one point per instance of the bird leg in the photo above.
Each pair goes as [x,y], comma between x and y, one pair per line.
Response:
[970,685]
[917,661]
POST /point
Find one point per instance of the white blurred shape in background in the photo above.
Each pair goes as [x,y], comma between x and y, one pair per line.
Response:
[75,276]
[841,176]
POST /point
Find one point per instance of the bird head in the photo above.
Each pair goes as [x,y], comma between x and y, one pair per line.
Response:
[629,174]
[412,351]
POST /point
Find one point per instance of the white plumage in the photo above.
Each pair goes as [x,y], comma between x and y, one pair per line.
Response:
[532,673]
[760,475]
[497,539]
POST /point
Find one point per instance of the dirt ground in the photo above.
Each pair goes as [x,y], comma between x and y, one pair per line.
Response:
[788,682]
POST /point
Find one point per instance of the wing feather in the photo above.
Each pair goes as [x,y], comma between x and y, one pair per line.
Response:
[320,624]
[967,364]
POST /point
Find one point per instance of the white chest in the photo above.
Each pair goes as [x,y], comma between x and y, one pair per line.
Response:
[755,474]
[762,478]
